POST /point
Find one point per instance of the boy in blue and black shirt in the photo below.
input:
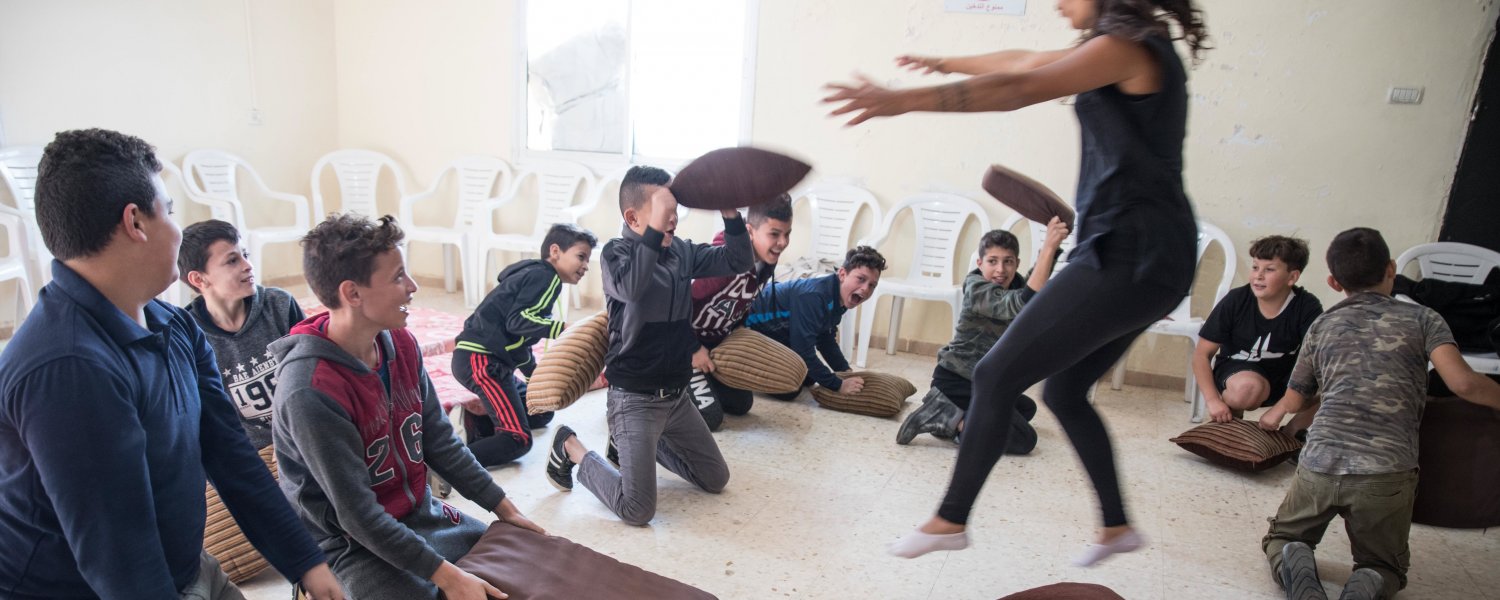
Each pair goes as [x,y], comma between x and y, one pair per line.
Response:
[497,339]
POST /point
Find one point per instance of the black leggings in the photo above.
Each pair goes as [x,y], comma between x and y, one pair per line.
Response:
[1070,334]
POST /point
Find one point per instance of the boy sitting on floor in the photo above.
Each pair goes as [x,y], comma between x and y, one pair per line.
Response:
[993,296]
[1253,334]
[1367,358]
[239,318]
[648,273]
[804,315]
[497,339]
[720,305]
[358,425]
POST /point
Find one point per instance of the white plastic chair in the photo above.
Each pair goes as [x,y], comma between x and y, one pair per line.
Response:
[18,166]
[1038,233]
[835,208]
[14,265]
[1183,323]
[557,184]
[939,219]
[358,175]
[1461,263]
[211,178]
[477,179]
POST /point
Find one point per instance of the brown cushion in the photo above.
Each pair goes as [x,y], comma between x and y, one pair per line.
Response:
[1239,444]
[1027,196]
[1066,591]
[882,395]
[736,177]
[1460,483]
[223,539]
[529,566]
[748,360]
[570,366]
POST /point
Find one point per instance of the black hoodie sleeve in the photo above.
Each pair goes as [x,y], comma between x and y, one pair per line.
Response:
[808,311]
[734,257]
[531,309]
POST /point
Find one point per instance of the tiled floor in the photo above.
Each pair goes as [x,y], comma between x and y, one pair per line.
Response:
[815,496]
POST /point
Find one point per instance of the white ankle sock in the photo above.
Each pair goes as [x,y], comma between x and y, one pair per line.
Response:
[1129,541]
[917,543]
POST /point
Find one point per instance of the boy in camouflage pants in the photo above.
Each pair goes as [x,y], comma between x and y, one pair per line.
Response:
[1367,358]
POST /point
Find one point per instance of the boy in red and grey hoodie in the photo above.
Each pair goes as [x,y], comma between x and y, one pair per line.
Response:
[357,425]
[721,303]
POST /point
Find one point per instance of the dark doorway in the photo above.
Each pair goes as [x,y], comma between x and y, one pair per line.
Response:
[1473,215]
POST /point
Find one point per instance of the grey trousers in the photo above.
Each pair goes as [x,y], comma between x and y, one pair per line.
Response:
[212,583]
[649,429]
[366,576]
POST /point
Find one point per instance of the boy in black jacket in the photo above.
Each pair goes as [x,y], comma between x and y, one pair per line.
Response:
[648,275]
[497,340]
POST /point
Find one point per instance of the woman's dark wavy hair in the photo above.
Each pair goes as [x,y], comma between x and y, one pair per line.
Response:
[1135,20]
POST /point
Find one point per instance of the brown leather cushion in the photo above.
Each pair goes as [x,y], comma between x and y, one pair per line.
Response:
[1460,483]
[570,366]
[1027,196]
[1239,444]
[223,539]
[1066,591]
[736,177]
[882,395]
[529,566]
[748,360]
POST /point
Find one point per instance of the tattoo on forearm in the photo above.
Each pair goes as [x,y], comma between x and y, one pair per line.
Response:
[953,98]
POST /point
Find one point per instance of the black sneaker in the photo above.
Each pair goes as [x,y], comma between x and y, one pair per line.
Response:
[612,453]
[1364,584]
[938,416]
[1299,573]
[559,468]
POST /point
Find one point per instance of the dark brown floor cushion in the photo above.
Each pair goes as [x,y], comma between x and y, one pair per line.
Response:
[882,395]
[1460,465]
[223,539]
[529,566]
[572,362]
[1239,444]
[1067,591]
[751,361]
[736,178]
[1027,196]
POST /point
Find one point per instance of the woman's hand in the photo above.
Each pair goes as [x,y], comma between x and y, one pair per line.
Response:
[926,64]
[867,98]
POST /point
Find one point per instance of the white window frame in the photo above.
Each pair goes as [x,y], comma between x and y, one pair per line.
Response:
[606,162]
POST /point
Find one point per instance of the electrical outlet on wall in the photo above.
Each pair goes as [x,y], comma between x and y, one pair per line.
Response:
[256,117]
[1405,95]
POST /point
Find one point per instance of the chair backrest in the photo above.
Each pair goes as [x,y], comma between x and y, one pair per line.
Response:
[939,220]
[557,184]
[1208,235]
[1039,234]
[358,175]
[1451,261]
[479,178]
[211,179]
[835,208]
[18,166]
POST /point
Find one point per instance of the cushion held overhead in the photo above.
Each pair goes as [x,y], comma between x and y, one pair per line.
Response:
[736,177]
[1027,196]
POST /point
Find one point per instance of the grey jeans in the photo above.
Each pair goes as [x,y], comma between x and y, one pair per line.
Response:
[648,429]
[212,583]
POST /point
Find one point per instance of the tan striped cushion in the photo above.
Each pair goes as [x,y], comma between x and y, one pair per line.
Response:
[1239,444]
[223,539]
[748,360]
[882,395]
[572,362]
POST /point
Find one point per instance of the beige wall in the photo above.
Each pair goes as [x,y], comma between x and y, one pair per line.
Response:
[1289,131]
[177,73]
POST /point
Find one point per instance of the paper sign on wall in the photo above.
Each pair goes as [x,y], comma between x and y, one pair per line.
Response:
[989,7]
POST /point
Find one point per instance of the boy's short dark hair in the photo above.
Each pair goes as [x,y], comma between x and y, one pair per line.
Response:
[343,248]
[779,208]
[863,256]
[85,180]
[565,236]
[999,238]
[633,185]
[192,255]
[1290,250]
[1357,258]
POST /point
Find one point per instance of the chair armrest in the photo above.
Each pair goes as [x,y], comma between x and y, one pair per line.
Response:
[405,213]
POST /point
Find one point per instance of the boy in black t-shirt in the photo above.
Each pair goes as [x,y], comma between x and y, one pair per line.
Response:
[1253,334]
